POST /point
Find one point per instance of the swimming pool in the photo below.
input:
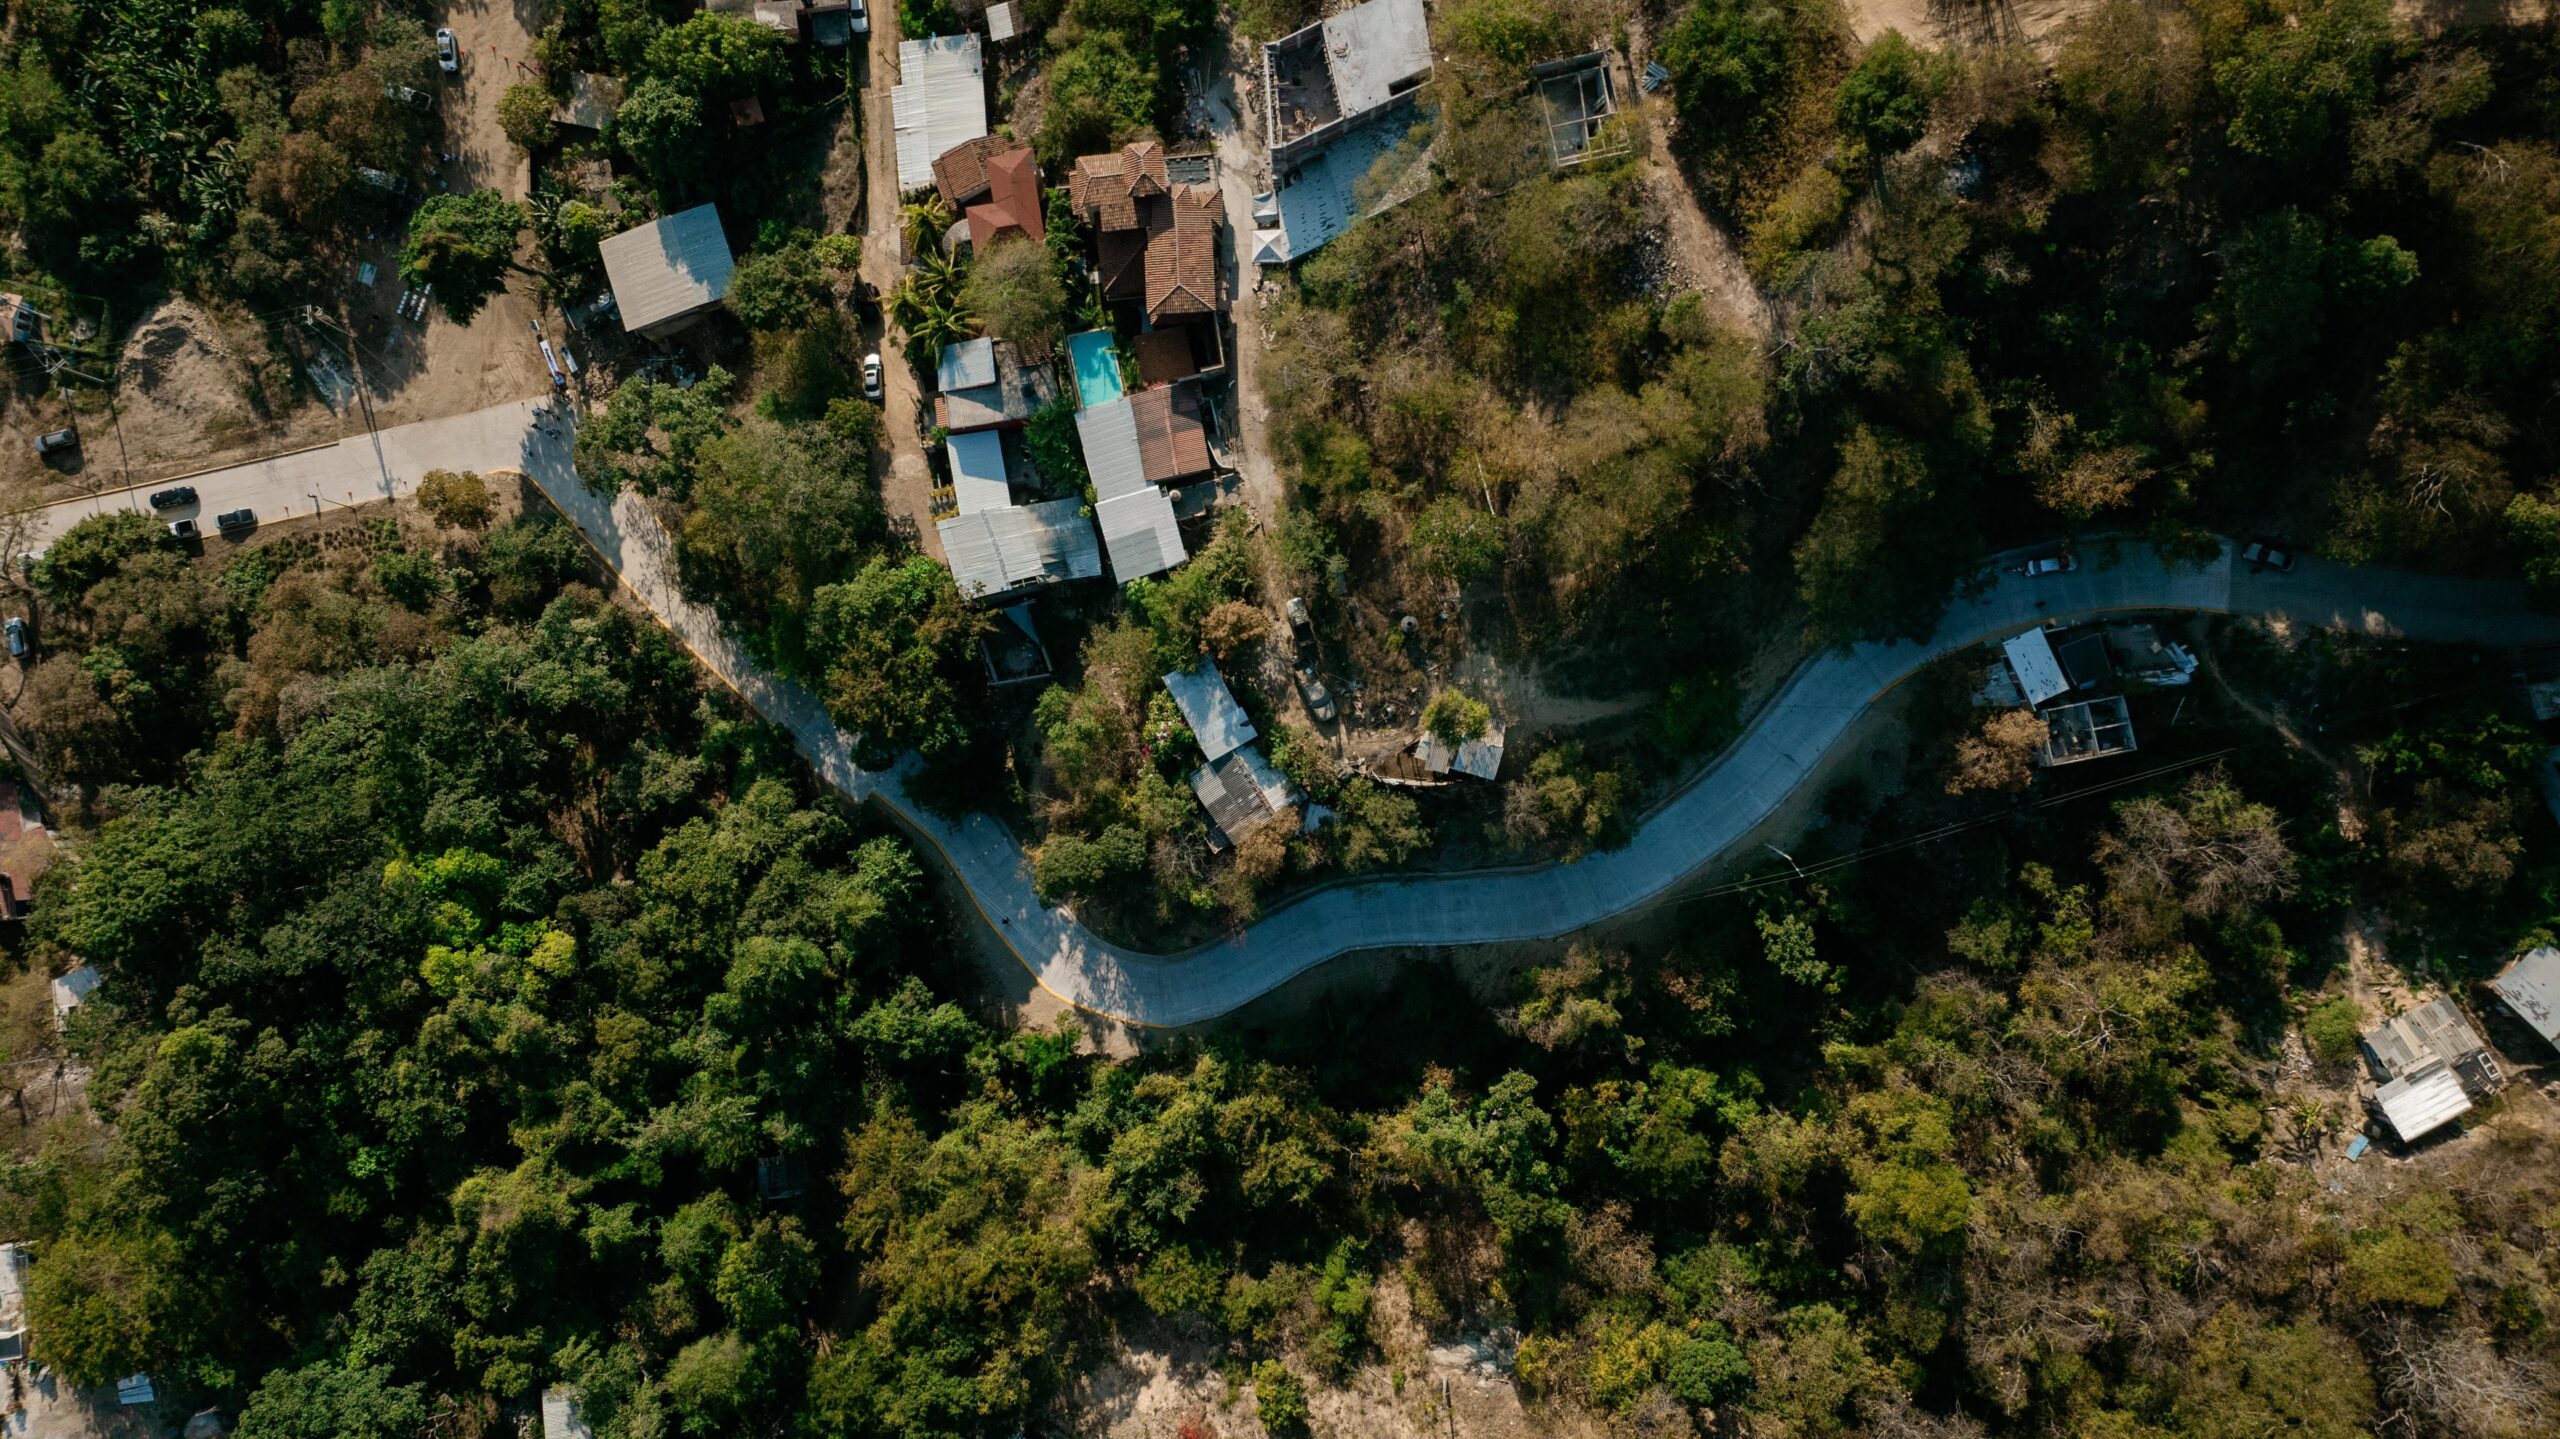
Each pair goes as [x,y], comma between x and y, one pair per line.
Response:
[1097,367]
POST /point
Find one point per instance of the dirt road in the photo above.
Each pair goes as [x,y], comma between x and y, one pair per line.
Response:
[1240,174]
[906,484]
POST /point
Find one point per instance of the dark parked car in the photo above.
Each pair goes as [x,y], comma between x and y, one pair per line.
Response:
[184,530]
[230,520]
[19,644]
[1302,630]
[1319,699]
[174,496]
[57,442]
[2263,556]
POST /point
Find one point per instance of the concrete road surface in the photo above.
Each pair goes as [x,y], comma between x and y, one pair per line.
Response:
[1779,751]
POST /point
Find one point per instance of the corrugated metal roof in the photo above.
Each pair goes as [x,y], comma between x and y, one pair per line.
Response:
[2039,672]
[2409,1042]
[977,471]
[1141,533]
[2531,987]
[996,552]
[940,101]
[1210,708]
[668,268]
[1110,435]
[2422,1103]
[966,365]
[1481,756]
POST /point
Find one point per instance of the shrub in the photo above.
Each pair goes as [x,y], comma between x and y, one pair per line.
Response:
[1279,1398]
[457,499]
[1453,719]
[524,113]
[2331,1030]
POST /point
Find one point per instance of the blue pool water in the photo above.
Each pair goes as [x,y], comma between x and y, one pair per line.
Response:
[1097,368]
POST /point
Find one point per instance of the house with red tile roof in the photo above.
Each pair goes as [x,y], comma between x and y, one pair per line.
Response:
[1155,241]
[1012,206]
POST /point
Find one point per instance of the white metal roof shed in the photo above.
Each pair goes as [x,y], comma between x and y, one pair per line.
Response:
[1141,533]
[2422,1102]
[1111,456]
[1210,708]
[2039,672]
[669,270]
[2531,987]
[966,365]
[977,471]
[941,101]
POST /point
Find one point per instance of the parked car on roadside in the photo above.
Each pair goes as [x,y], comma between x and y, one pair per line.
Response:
[448,54]
[174,496]
[184,530]
[871,376]
[58,442]
[2043,565]
[2259,555]
[19,644]
[1319,699]
[861,18]
[231,520]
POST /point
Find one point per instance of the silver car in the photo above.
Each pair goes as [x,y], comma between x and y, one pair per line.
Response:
[1319,699]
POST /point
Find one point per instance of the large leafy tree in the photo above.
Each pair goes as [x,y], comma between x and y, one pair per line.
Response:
[898,651]
[463,245]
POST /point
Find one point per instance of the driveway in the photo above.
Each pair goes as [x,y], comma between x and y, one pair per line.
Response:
[906,484]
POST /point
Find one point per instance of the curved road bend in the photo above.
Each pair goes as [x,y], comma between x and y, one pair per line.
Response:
[1777,753]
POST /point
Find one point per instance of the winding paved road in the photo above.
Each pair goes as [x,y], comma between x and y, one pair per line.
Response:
[1695,827]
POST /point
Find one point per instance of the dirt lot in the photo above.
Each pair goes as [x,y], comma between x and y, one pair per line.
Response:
[1155,1383]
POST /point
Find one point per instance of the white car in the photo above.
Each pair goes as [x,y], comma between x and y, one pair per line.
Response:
[871,376]
[2043,565]
[861,18]
[448,55]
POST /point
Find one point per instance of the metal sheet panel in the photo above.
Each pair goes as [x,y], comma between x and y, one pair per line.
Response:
[1140,532]
[977,472]
[1110,435]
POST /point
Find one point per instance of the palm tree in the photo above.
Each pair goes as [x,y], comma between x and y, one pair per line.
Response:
[925,220]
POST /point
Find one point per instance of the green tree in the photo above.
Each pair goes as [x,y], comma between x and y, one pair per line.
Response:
[1013,289]
[898,650]
[718,57]
[779,289]
[463,245]
[660,127]
[457,499]
[333,1400]
[524,115]
[1453,719]
[2245,1377]
[1729,62]
[1884,102]
[1279,1399]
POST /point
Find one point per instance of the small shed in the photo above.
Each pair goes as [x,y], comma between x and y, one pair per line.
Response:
[2431,1033]
[72,988]
[670,272]
[2531,987]
[1210,709]
[2039,672]
[2420,1103]
[1480,757]
[2090,729]
[1142,534]
[978,478]
[1242,792]
[1002,22]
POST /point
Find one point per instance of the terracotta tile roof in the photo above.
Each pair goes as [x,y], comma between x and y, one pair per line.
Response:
[961,172]
[1110,191]
[1122,259]
[1183,276]
[1164,356]
[1013,200]
[1172,442]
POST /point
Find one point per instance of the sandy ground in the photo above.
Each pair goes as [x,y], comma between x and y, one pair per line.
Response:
[1420,1387]
[1702,255]
[906,484]
[1236,134]
[1941,23]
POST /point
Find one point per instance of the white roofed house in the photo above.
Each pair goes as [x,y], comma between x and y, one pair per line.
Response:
[2531,987]
[986,384]
[1210,709]
[1010,550]
[2432,1065]
[670,272]
[940,101]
